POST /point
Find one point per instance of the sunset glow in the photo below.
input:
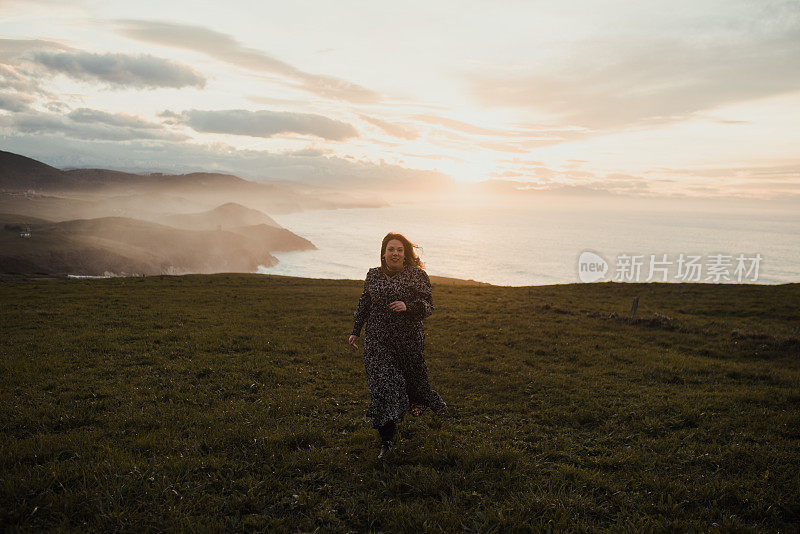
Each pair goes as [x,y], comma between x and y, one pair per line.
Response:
[656,99]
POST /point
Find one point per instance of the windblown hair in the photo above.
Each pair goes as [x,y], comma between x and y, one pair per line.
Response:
[410,258]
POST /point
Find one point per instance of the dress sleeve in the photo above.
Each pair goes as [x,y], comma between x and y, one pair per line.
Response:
[422,305]
[362,309]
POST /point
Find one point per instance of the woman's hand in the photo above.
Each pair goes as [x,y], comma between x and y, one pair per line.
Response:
[352,341]
[397,306]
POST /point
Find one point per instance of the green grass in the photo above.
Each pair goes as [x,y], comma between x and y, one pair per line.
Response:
[232,402]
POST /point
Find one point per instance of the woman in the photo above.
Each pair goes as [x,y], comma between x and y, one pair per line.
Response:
[396,298]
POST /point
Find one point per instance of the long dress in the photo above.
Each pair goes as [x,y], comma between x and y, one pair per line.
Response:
[394,343]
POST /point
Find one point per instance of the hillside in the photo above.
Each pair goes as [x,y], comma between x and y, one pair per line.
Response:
[230,215]
[101,221]
[447,281]
[232,403]
[19,173]
[266,237]
[128,246]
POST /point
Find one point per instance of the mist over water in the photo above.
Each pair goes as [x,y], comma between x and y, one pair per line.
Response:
[536,245]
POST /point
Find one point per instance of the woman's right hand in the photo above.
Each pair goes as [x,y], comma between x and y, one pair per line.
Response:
[352,341]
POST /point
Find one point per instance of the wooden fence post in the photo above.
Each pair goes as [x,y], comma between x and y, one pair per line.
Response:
[635,305]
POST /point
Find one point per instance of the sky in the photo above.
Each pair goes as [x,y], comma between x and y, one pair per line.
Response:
[658,99]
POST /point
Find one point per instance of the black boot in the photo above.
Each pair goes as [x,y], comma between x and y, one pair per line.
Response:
[387,432]
[385,447]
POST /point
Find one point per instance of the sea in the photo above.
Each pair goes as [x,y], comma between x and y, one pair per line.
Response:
[526,246]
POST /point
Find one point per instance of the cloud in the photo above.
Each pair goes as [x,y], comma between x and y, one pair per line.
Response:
[430,156]
[56,106]
[263,123]
[717,183]
[11,78]
[12,50]
[461,126]
[590,185]
[15,101]
[522,162]
[271,101]
[505,174]
[87,124]
[175,157]
[45,7]
[25,63]
[787,172]
[225,48]
[772,187]
[123,120]
[121,70]
[309,152]
[465,136]
[622,183]
[394,130]
[514,145]
[617,83]
[16,72]
[541,134]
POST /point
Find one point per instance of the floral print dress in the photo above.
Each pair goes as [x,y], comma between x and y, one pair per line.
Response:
[394,343]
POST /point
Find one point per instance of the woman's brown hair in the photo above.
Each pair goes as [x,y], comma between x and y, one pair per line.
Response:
[410,258]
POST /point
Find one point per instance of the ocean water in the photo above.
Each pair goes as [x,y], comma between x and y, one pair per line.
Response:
[522,246]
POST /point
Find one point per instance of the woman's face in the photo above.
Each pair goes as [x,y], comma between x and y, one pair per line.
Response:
[394,254]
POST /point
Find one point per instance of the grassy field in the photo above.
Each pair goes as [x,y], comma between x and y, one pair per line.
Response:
[232,402]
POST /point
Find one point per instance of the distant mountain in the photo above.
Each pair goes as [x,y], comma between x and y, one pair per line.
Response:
[19,173]
[148,207]
[230,215]
[50,207]
[93,221]
[273,239]
[128,246]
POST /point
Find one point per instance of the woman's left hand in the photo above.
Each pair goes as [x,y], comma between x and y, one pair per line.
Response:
[398,306]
